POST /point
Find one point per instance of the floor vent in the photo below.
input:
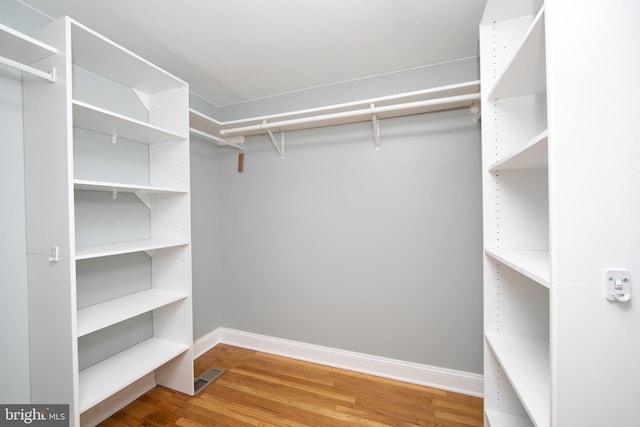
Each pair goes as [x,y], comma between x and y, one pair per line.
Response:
[203,380]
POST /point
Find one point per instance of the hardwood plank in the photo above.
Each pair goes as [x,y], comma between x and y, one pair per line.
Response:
[268,390]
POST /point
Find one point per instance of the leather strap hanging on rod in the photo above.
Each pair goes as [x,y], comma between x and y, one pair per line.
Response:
[240,162]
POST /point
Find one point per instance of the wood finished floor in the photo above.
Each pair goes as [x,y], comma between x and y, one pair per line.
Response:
[264,390]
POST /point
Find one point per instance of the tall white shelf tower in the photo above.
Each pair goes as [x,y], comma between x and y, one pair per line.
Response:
[561,209]
[108,226]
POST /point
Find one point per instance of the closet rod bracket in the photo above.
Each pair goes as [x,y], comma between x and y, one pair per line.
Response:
[376,128]
[279,147]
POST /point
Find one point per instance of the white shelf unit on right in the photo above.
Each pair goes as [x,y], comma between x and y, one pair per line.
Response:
[516,220]
[561,209]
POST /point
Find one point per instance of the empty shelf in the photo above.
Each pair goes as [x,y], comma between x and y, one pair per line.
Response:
[98,316]
[533,264]
[103,379]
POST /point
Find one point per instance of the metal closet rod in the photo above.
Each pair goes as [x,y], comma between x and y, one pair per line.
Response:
[215,138]
[354,113]
[49,76]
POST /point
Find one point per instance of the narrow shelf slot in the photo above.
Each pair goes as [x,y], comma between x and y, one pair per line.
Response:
[526,363]
[22,48]
[499,419]
[87,252]
[99,316]
[103,379]
[80,184]
[96,119]
[534,154]
[532,264]
[525,72]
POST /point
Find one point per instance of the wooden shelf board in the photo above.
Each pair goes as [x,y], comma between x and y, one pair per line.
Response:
[81,184]
[103,379]
[525,72]
[526,363]
[534,154]
[92,51]
[87,252]
[22,48]
[532,264]
[99,316]
[499,419]
[96,119]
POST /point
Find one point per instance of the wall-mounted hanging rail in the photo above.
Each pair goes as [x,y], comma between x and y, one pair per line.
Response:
[461,95]
[47,75]
[217,139]
[18,51]
[363,114]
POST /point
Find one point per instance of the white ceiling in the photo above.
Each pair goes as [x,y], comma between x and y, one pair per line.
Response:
[233,51]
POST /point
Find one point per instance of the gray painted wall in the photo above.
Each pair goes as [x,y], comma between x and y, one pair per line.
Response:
[206,243]
[343,246]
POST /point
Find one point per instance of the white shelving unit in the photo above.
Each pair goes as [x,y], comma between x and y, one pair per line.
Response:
[517,259]
[107,172]
[557,352]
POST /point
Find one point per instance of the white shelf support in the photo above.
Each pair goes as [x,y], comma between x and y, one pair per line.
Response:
[217,139]
[145,198]
[50,76]
[144,98]
[376,128]
[279,149]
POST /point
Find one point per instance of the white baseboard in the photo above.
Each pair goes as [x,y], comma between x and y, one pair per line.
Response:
[414,373]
